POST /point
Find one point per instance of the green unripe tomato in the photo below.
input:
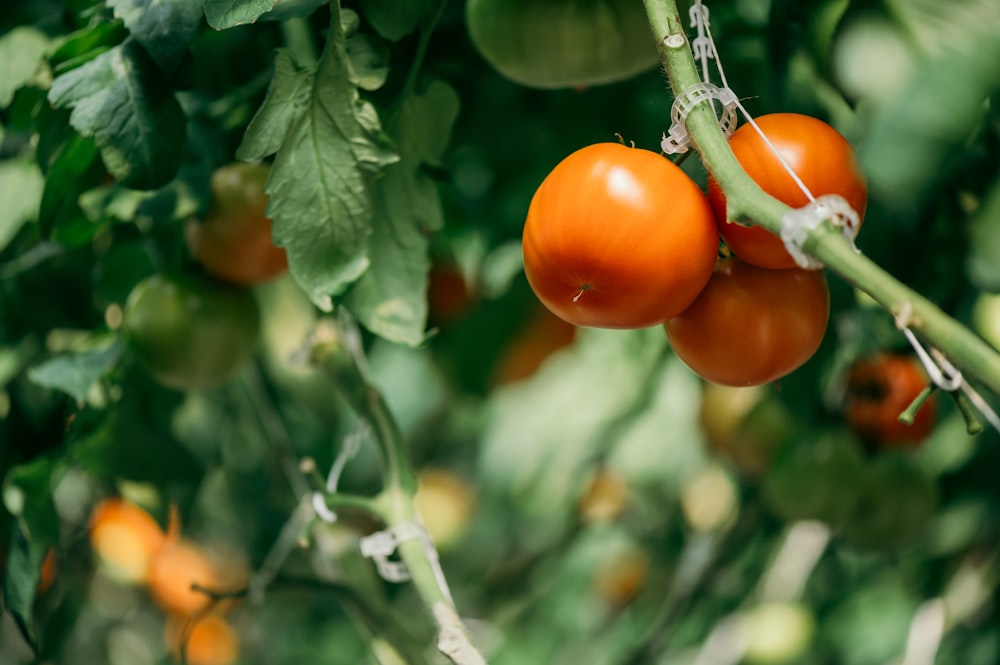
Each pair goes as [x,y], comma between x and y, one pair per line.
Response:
[191,332]
[563,43]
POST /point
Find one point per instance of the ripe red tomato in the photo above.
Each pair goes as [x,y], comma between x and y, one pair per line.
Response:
[878,390]
[233,242]
[750,325]
[618,237]
[818,154]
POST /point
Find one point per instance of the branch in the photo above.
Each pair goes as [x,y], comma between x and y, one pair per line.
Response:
[338,352]
[749,204]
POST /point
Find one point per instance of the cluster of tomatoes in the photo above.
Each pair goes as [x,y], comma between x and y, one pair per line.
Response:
[619,237]
[196,329]
[179,574]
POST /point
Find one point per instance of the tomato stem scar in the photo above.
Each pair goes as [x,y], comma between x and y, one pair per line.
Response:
[579,294]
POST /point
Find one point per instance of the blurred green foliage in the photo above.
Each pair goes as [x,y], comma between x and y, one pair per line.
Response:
[550,566]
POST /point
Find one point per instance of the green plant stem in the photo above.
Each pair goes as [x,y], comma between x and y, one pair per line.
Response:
[337,351]
[410,86]
[299,40]
[748,203]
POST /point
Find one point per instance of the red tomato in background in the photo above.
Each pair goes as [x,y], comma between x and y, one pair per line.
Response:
[750,325]
[818,154]
[618,237]
[234,242]
[880,388]
[544,334]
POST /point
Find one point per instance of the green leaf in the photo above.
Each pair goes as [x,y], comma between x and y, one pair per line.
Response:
[610,388]
[75,168]
[223,14]
[74,374]
[21,184]
[27,495]
[394,19]
[20,584]
[287,9]
[84,45]
[928,120]
[330,149]
[121,100]
[390,299]
[369,61]
[21,52]
[165,28]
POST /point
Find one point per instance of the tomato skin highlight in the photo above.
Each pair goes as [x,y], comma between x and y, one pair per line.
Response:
[234,242]
[750,325]
[880,388]
[819,155]
[618,237]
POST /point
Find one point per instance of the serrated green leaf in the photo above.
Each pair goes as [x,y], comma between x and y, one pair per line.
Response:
[288,98]
[121,100]
[394,19]
[223,14]
[21,183]
[74,374]
[330,149]
[390,299]
[21,51]
[165,28]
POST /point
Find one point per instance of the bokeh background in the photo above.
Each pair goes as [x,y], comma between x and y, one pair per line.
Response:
[593,500]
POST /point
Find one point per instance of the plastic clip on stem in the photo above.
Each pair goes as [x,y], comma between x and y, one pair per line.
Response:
[798,223]
[942,372]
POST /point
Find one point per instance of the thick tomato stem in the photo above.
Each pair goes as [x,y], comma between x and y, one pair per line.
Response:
[748,203]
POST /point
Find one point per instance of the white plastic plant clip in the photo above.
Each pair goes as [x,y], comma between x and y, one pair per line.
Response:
[350,448]
[380,545]
[703,46]
[941,371]
[797,224]
[677,140]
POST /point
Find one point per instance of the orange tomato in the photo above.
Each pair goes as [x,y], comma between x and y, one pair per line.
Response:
[234,242]
[544,334]
[124,537]
[818,154]
[750,325]
[211,640]
[177,565]
[879,389]
[618,237]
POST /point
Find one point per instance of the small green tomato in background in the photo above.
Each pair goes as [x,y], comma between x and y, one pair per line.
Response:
[191,332]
